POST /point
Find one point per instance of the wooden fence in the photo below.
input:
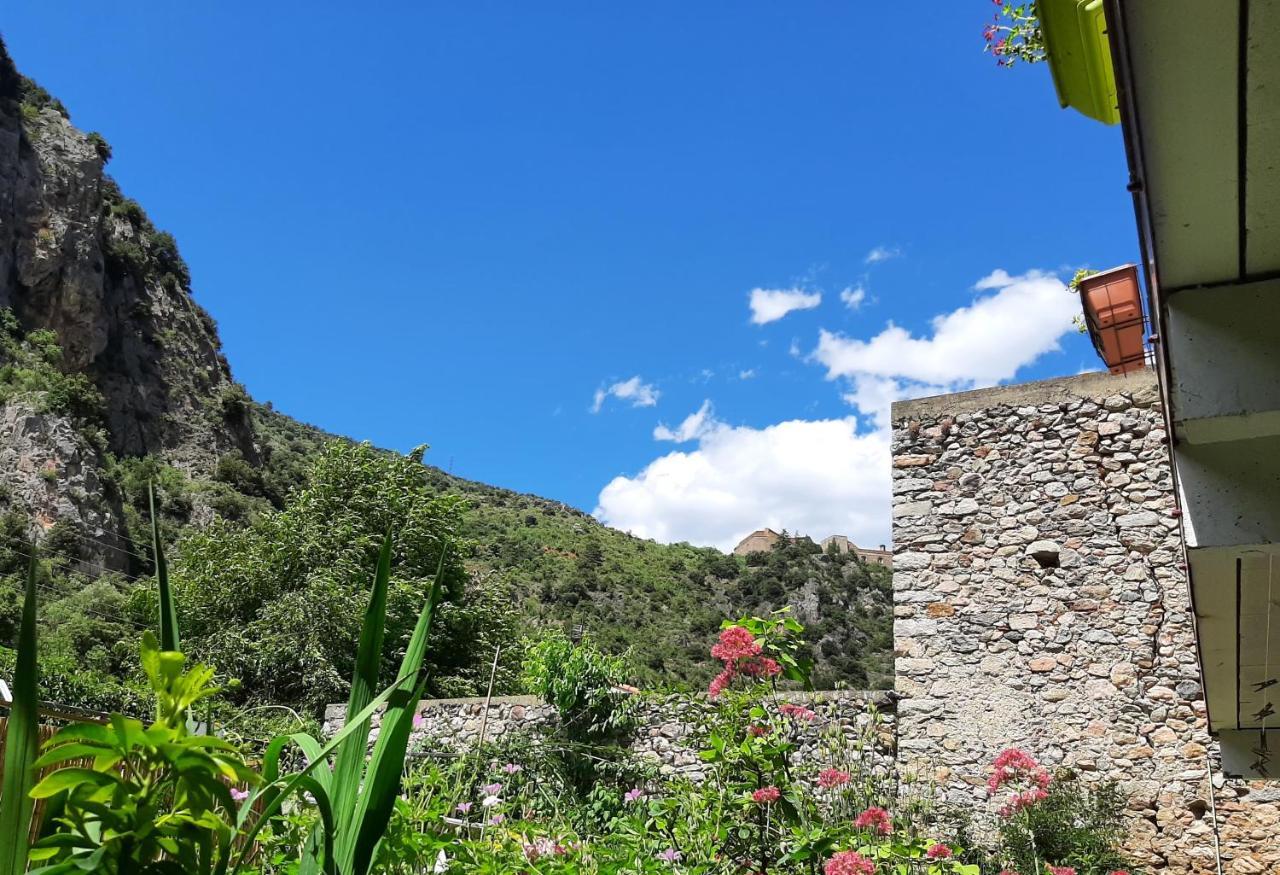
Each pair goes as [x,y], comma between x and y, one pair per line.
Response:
[53,717]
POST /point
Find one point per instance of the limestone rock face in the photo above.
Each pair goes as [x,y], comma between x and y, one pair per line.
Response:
[77,257]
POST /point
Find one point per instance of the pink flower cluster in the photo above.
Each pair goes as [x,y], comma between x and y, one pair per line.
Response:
[939,851]
[741,654]
[849,863]
[797,712]
[875,820]
[766,795]
[831,778]
[1061,870]
[543,847]
[1029,779]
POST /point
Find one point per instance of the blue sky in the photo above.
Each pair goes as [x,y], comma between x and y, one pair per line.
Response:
[529,234]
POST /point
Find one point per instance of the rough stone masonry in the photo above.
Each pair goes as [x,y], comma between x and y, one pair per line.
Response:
[1041,602]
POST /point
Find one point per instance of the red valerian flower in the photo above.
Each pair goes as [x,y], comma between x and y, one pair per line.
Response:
[849,863]
[875,820]
[939,851]
[829,778]
[756,730]
[720,681]
[735,643]
[799,712]
[765,795]
[1062,870]
[1118,872]
[761,666]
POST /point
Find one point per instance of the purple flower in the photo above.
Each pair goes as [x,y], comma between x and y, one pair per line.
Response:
[632,795]
[670,855]
[513,768]
[497,819]
[239,795]
[419,721]
[464,807]
[492,789]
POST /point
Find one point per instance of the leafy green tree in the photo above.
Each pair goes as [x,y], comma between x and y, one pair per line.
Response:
[277,603]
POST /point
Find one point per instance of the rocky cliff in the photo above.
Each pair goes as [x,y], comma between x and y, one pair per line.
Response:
[80,259]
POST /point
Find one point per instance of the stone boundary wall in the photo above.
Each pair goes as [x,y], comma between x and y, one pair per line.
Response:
[666,725]
[1041,601]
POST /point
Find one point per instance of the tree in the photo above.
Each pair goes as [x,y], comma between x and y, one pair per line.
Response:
[277,604]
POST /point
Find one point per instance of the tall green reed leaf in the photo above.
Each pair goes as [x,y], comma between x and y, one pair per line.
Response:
[361,806]
[168,609]
[21,744]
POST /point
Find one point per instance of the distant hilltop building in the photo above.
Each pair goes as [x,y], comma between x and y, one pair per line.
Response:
[763,540]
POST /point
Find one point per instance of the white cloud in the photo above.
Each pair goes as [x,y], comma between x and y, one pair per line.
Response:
[635,390]
[882,253]
[695,425]
[770,305]
[814,477]
[853,297]
[981,344]
[747,374]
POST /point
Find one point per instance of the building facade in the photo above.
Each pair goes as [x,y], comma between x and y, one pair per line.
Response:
[1041,602]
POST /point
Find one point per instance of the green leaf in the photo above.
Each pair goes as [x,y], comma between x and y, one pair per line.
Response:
[386,764]
[20,739]
[66,779]
[168,609]
[350,761]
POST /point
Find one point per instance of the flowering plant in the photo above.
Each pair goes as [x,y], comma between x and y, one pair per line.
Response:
[1014,34]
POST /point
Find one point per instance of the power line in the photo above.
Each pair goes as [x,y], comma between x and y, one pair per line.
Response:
[45,551]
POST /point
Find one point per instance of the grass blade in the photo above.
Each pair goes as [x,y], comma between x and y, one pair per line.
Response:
[298,780]
[168,610]
[386,764]
[21,740]
[350,761]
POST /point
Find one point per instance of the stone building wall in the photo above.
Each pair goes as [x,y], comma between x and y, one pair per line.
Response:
[1041,602]
[665,735]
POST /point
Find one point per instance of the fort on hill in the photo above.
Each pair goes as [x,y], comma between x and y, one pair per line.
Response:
[762,540]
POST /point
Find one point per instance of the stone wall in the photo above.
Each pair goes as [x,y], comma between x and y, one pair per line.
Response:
[1041,602]
[665,735]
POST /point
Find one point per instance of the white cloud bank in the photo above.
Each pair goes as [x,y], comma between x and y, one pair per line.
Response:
[814,477]
[635,390]
[981,344]
[695,425]
[770,305]
[827,477]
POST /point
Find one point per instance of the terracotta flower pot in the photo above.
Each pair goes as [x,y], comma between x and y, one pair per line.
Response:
[1112,304]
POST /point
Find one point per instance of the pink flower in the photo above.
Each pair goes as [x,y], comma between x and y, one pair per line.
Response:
[798,712]
[761,666]
[239,795]
[849,863]
[829,778]
[632,795]
[765,795]
[419,721]
[670,855]
[492,789]
[874,819]
[756,730]
[497,819]
[1062,870]
[513,768]
[720,681]
[1009,872]
[735,643]
[939,851]
[464,807]
[989,32]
